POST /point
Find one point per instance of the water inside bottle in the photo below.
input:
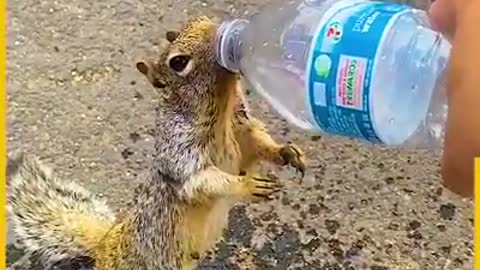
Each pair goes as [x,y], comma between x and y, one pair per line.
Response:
[405,80]
[403,89]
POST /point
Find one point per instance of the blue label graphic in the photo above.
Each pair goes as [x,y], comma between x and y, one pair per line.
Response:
[341,68]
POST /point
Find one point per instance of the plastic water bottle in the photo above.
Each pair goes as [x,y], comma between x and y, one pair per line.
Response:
[361,69]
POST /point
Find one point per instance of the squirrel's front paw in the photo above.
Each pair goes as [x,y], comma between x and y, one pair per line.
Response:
[292,155]
[259,187]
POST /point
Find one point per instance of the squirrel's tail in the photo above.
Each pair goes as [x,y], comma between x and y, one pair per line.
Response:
[58,221]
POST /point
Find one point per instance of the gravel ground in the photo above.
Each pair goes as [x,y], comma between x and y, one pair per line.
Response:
[76,100]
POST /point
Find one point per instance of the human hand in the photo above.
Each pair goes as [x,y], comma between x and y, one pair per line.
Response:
[443,15]
[459,20]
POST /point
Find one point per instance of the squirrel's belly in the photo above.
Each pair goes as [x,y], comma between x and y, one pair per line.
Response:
[204,225]
[229,158]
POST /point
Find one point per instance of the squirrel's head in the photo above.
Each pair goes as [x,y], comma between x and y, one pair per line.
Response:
[188,65]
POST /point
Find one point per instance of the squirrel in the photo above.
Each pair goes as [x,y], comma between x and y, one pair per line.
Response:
[207,149]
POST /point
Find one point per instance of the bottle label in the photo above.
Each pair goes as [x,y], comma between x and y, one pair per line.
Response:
[341,64]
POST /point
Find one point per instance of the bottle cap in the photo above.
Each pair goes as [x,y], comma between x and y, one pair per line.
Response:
[227,44]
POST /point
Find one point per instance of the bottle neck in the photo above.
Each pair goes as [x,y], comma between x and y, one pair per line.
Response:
[228,44]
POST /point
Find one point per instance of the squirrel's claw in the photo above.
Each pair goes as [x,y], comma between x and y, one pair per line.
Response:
[292,155]
[262,188]
[263,196]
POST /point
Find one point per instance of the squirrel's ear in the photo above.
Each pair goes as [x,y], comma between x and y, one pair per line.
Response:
[171,35]
[182,64]
[142,67]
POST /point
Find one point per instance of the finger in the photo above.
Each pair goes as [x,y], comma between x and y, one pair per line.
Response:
[265,180]
[265,187]
[442,17]
[262,196]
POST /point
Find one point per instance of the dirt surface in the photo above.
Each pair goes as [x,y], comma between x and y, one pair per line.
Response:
[76,100]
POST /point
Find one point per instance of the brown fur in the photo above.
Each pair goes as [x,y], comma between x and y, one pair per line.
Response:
[206,152]
[233,140]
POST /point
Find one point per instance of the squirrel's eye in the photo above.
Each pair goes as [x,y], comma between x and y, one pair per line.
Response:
[179,63]
[158,84]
